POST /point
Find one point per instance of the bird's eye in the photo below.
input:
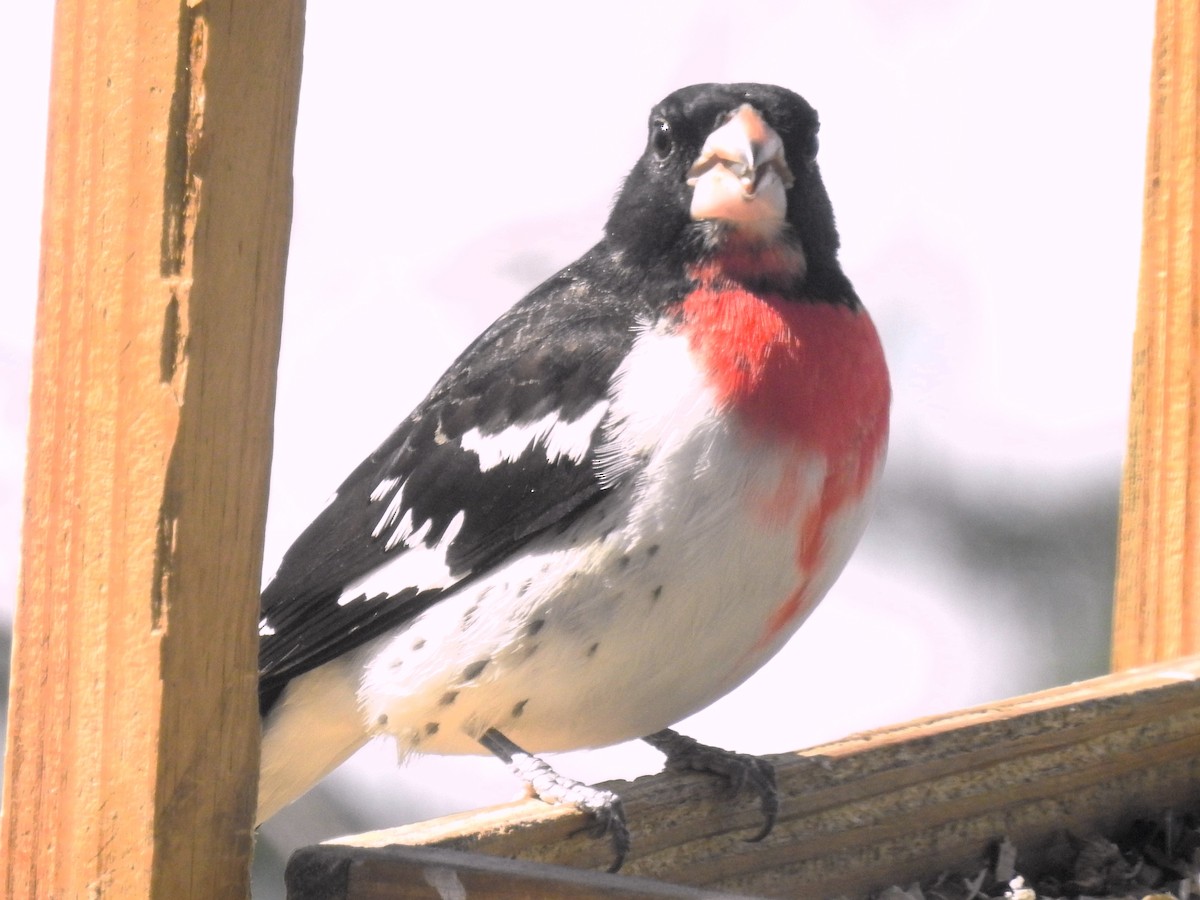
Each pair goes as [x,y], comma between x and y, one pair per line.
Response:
[662,142]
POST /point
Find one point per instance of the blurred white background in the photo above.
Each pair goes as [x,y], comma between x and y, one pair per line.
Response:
[985,161]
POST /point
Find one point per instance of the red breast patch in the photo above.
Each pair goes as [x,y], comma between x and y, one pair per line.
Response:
[807,373]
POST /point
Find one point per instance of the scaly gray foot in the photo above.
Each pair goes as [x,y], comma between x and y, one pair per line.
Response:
[601,805]
[740,770]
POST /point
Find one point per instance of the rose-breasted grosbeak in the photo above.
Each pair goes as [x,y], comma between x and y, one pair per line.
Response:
[619,502]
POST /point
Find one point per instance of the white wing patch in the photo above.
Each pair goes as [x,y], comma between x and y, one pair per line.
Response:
[419,566]
[558,437]
[424,567]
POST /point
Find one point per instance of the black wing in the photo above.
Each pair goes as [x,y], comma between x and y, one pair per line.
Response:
[554,353]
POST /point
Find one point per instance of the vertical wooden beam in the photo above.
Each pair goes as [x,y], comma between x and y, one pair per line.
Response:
[133,729]
[1157,614]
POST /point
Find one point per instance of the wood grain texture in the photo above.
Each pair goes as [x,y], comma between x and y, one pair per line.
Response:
[132,742]
[889,806]
[1157,614]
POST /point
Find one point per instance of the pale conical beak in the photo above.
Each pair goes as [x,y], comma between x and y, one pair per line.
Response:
[741,175]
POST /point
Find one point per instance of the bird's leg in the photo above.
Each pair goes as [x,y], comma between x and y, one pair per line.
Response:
[603,806]
[740,770]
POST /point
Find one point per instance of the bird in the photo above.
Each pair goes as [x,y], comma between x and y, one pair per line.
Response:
[620,500]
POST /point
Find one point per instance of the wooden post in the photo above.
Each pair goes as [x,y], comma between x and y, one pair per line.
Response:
[133,730]
[1157,614]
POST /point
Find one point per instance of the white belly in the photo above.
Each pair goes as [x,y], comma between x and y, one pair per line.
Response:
[655,603]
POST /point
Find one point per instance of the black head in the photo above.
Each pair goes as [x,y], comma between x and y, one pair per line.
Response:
[651,217]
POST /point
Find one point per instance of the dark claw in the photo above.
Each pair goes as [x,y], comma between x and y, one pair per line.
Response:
[609,815]
[759,777]
[740,771]
[601,805]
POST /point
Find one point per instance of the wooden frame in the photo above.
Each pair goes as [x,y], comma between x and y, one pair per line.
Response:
[909,801]
[1158,572]
[133,723]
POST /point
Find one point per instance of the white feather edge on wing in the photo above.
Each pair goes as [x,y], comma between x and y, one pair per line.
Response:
[422,567]
[559,437]
[425,567]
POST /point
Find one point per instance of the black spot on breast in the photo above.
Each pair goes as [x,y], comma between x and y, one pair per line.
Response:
[623,562]
[591,651]
[382,720]
[473,671]
[519,708]
[431,728]
[448,698]
[655,594]
[535,626]
[652,549]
